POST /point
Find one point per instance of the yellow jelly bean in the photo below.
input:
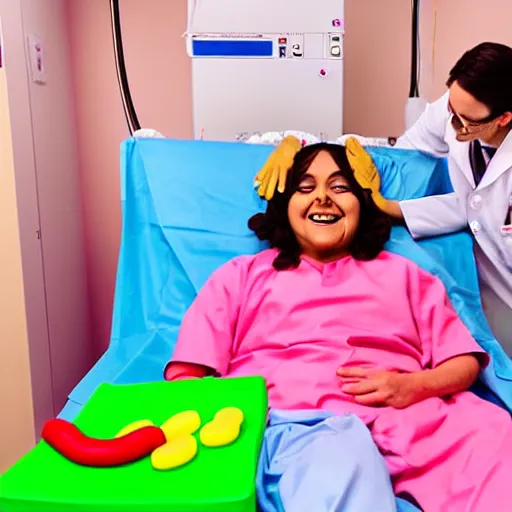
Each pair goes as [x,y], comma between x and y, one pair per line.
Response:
[216,433]
[132,427]
[182,424]
[230,415]
[175,453]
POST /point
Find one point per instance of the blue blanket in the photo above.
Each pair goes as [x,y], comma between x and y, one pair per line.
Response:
[315,461]
[185,209]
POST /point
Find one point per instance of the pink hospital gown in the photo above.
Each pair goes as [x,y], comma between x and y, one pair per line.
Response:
[296,327]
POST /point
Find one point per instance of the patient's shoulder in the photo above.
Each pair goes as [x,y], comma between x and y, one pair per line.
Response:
[397,264]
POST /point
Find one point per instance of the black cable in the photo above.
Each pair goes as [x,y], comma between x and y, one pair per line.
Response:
[122,77]
[418,48]
[413,88]
[418,79]
[414,54]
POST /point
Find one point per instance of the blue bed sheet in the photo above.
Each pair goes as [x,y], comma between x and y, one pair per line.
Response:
[185,207]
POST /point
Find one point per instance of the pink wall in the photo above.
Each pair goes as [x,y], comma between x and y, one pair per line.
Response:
[377,53]
[462,24]
[377,56]
[376,66]
[159,74]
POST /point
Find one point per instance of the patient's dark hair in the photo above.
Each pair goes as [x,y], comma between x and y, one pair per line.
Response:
[273,225]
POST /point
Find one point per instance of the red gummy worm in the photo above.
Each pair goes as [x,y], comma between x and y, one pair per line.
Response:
[69,441]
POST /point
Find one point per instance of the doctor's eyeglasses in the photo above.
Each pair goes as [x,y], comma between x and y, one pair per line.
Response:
[466,127]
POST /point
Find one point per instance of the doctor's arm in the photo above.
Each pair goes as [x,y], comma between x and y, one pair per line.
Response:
[431,215]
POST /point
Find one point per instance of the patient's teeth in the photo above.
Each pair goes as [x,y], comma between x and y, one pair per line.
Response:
[318,217]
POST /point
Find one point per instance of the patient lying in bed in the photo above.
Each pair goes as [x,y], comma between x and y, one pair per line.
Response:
[333,322]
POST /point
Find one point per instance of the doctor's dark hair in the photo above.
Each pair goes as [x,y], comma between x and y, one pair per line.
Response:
[485,72]
[273,225]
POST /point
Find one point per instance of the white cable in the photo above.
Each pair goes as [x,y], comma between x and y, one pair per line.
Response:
[193,5]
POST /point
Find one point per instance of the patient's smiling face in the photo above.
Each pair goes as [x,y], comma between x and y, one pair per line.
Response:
[323,212]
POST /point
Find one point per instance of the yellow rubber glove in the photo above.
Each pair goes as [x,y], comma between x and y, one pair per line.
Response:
[275,170]
[366,173]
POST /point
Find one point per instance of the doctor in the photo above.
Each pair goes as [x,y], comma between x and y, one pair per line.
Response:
[471,126]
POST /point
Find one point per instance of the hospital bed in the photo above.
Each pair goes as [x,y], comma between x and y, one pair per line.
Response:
[185,206]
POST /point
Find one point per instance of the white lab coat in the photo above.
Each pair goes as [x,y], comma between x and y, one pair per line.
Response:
[483,208]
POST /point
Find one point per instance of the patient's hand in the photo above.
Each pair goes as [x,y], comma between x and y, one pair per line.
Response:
[379,388]
[181,371]
[399,390]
